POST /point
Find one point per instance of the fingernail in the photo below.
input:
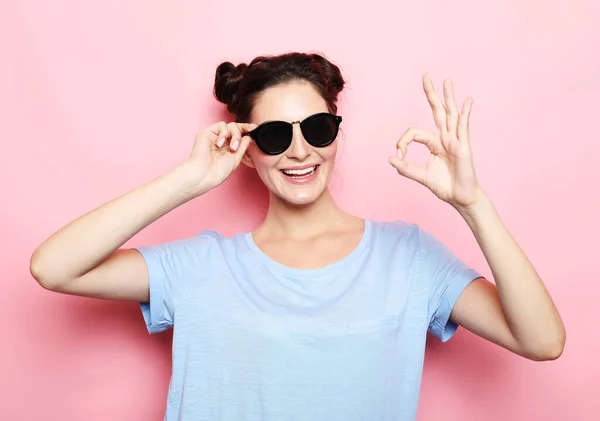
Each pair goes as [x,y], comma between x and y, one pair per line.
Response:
[399,154]
[235,144]
[220,142]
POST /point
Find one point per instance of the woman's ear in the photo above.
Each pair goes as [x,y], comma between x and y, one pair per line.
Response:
[247,159]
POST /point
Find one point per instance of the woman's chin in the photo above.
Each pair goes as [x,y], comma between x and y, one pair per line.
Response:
[301,197]
[297,193]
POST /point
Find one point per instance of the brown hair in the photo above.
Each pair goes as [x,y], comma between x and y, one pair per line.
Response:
[238,86]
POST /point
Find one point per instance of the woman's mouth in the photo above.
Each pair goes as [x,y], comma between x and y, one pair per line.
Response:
[300,175]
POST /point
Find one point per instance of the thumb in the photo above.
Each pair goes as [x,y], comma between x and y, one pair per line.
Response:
[407,169]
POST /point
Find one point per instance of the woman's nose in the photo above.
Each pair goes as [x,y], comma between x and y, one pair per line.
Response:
[299,149]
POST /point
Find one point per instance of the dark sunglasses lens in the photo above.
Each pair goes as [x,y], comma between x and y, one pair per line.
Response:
[274,138]
[320,130]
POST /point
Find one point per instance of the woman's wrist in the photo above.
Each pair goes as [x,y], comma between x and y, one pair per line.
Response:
[190,184]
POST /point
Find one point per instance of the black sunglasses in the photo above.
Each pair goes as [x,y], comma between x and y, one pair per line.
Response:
[274,137]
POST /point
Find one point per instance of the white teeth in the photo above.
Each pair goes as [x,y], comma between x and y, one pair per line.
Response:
[299,173]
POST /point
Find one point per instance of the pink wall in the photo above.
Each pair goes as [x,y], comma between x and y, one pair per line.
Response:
[97,98]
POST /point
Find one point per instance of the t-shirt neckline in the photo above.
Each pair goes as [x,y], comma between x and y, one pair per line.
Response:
[310,273]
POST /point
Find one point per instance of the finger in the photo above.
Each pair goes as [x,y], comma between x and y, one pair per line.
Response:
[236,136]
[246,127]
[408,170]
[222,133]
[244,144]
[438,109]
[451,108]
[431,140]
[218,130]
[242,128]
[215,128]
[463,122]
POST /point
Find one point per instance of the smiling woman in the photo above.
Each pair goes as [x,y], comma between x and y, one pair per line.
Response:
[316,314]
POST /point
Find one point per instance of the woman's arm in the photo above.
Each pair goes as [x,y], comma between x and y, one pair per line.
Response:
[82,257]
[518,313]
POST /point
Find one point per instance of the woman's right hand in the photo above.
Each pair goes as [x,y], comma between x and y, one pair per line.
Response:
[217,152]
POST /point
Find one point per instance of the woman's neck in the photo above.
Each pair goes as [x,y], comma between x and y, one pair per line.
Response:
[301,222]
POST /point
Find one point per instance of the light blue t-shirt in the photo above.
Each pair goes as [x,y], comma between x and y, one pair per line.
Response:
[256,340]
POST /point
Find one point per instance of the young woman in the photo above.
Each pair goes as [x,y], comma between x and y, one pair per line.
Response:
[316,314]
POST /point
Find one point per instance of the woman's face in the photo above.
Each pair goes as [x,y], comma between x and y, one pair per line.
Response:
[292,102]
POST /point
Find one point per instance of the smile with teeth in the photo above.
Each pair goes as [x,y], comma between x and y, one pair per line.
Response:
[305,172]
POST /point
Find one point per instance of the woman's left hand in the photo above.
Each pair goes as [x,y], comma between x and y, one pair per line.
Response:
[450,173]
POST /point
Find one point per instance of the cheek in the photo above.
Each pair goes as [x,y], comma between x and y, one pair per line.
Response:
[329,153]
[263,162]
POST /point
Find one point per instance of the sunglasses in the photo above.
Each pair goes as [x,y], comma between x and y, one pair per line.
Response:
[275,137]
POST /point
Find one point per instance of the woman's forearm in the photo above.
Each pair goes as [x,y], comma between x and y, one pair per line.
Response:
[530,312]
[79,246]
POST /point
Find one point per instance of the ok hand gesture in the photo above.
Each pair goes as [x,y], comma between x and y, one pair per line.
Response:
[450,173]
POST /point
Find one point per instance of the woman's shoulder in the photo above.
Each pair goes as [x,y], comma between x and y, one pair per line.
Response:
[394,227]
[201,240]
[398,232]
[203,244]
[222,238]
[408,233]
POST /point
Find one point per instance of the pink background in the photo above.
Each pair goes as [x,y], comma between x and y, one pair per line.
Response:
[97,98]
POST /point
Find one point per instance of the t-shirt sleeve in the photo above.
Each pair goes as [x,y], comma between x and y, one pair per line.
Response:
[171,266]
[447,276]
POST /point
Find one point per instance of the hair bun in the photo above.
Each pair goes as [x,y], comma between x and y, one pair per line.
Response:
[331,75]
[227,82]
